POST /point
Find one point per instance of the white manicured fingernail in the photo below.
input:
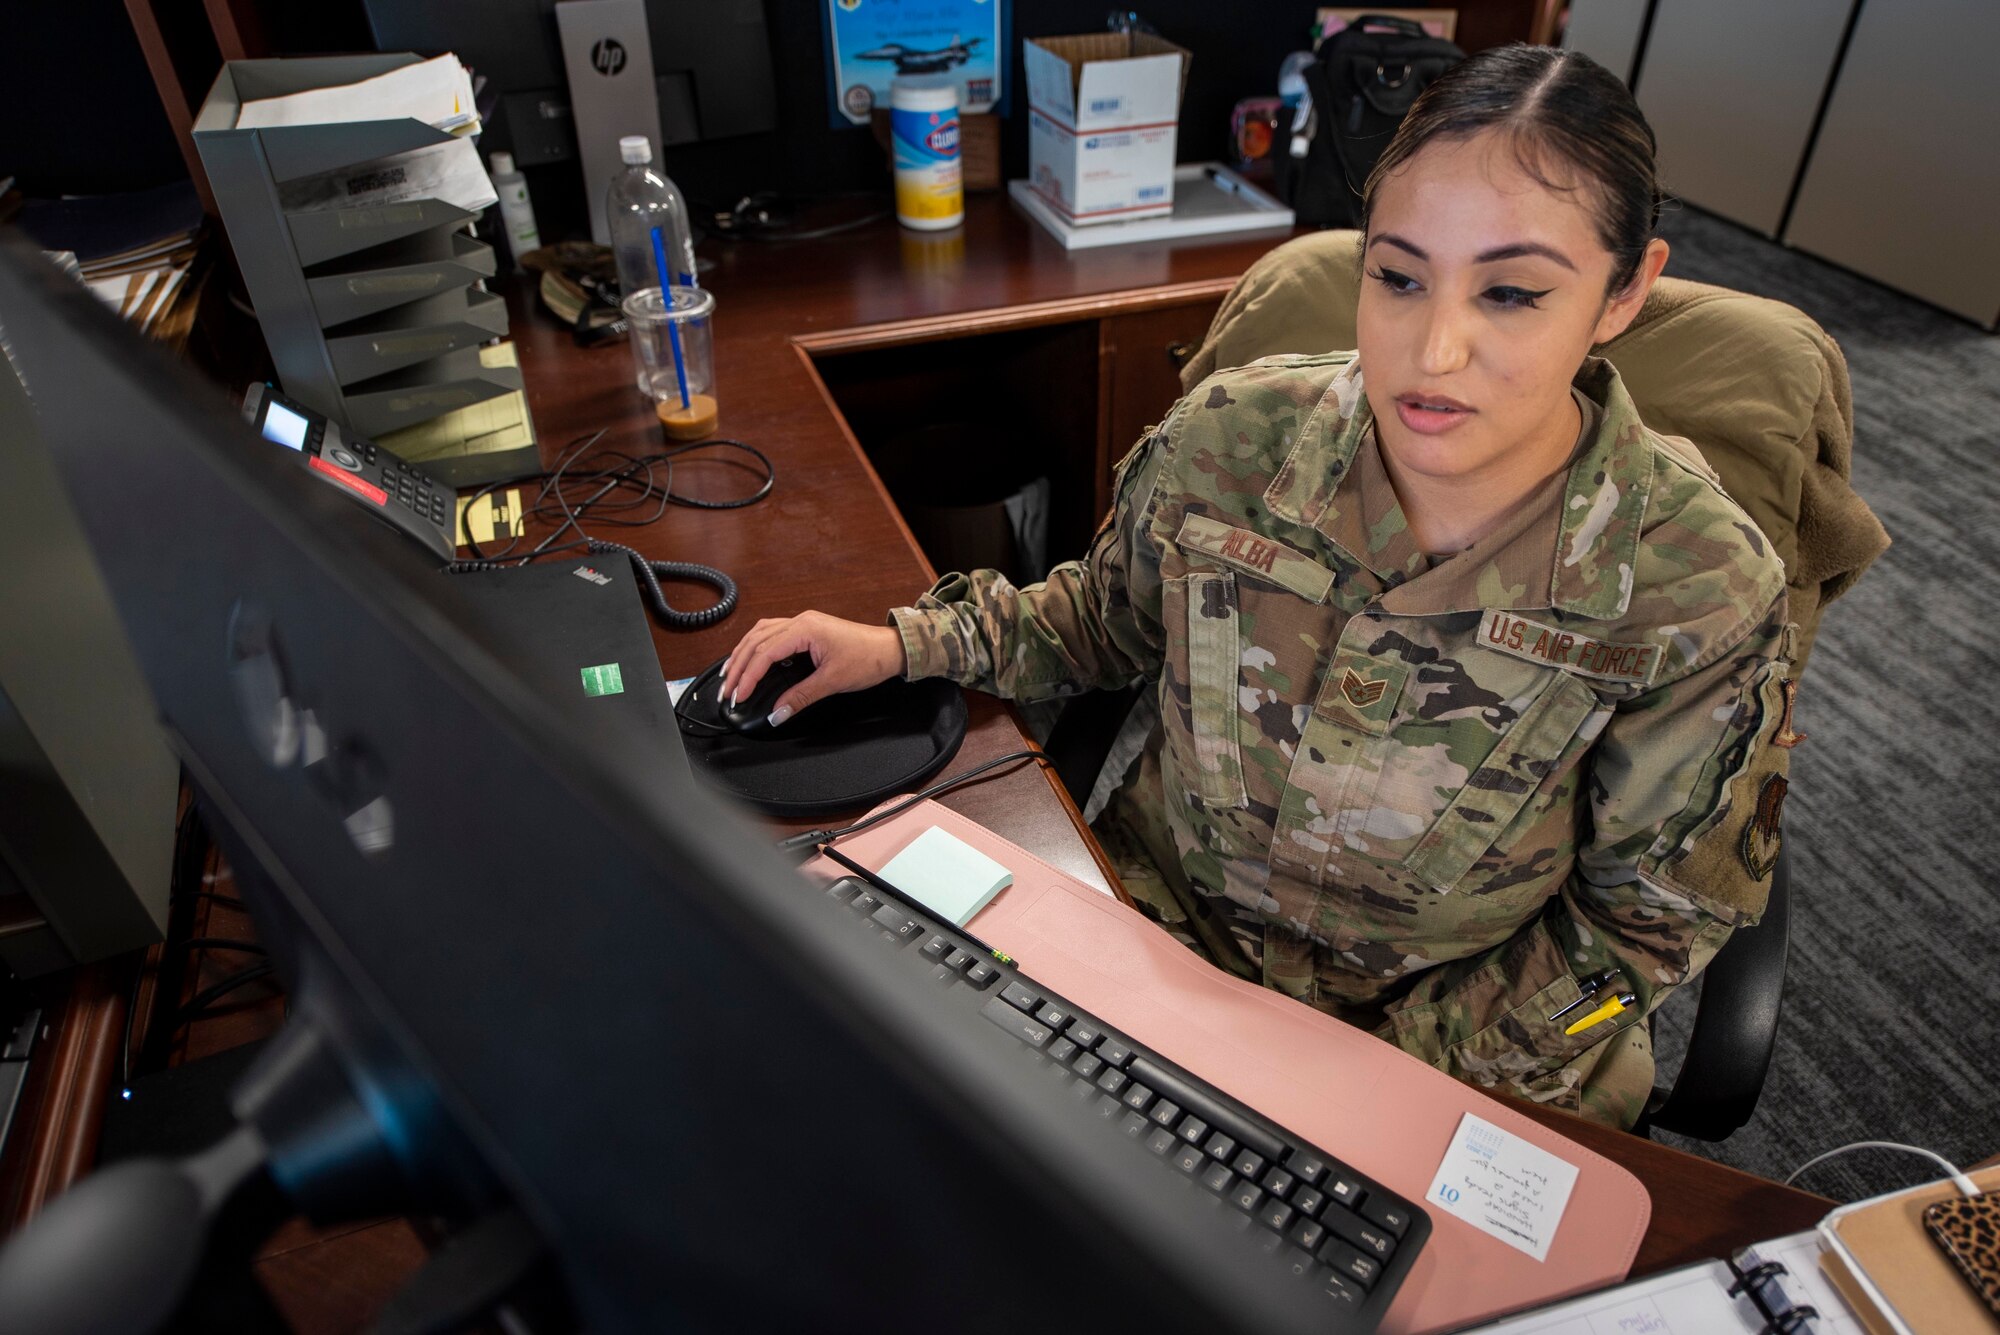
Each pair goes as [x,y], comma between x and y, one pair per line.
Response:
[780,714]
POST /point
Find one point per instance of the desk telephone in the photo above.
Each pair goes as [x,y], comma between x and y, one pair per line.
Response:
[402,494]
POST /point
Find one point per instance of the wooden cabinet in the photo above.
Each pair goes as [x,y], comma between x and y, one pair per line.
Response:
[948,422]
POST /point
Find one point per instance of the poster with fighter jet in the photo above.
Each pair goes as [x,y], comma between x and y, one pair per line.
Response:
[869,42]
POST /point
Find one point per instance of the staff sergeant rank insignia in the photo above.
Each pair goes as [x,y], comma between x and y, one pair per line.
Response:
[1569,651]
[1359,693]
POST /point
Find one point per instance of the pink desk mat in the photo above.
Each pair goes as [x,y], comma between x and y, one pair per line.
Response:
[1376,1107]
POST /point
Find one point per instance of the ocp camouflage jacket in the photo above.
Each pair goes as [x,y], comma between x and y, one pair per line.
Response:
[1429,797]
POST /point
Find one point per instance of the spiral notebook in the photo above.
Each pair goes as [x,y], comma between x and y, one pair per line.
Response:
[1773,1288]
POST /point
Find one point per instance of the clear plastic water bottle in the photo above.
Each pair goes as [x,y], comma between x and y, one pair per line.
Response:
[640,199]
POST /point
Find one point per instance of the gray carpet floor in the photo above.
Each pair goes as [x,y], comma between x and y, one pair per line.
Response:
[1890,1029]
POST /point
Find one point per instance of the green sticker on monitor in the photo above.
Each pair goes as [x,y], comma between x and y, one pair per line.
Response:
[604,679]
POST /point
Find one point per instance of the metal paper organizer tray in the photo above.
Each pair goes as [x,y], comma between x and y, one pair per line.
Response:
[372,315]
[406,335]
[319,235]
[429,389]
[397,274]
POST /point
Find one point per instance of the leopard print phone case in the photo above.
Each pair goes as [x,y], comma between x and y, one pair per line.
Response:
[1968,1229]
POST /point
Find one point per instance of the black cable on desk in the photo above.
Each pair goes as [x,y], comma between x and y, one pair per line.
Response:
[626,484]
[812,838]
[650,573]
[771,216]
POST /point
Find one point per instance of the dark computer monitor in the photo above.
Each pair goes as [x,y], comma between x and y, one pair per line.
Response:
[711,66]
[87,786]
[550,973]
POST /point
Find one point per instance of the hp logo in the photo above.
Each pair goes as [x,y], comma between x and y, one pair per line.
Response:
[608,56]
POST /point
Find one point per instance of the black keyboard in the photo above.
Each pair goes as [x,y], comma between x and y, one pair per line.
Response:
[1336,1228]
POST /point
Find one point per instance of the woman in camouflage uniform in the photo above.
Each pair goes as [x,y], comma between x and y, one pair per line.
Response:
[1468,687]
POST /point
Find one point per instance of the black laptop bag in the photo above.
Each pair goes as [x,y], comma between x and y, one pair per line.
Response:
[1363,82]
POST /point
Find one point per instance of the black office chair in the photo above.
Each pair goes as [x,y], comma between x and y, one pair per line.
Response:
[1735,1026]
[1736,1018]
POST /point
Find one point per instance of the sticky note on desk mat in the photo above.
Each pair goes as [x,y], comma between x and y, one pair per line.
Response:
[1502,1185]
[946,875]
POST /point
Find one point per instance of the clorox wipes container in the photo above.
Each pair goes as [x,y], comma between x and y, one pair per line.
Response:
[923,127]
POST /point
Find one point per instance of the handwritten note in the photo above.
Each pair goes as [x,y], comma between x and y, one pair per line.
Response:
[1502,1185]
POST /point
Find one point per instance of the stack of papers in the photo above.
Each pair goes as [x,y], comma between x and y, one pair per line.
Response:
[490,426]
[451,172]
[138,252]
[437,92]
[153,292]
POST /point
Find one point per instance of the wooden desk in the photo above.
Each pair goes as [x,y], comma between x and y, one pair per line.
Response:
[829,538]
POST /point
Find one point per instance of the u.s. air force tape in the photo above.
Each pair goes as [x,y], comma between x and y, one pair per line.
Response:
[1523,638]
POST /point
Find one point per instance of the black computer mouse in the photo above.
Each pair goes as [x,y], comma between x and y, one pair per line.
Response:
[751,715]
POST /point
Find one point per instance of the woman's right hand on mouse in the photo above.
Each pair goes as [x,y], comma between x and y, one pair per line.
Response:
[846,655]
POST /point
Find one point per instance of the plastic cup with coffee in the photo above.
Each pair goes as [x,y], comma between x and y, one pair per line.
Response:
[673,353]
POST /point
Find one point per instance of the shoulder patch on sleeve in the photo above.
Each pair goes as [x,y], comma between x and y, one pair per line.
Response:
[1761,833]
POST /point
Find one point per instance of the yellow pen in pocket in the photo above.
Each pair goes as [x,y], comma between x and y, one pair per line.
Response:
[1614,1006]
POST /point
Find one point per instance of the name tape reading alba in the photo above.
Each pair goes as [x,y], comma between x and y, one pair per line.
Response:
[1254,553]
[1580,654]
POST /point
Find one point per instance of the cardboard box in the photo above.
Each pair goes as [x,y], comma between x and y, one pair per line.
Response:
[1103,115]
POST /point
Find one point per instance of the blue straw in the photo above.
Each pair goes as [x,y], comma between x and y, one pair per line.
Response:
[673,325]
